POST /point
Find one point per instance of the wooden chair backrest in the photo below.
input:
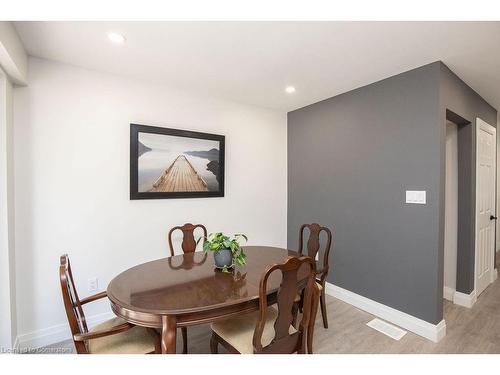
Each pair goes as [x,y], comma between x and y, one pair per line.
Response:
[284,341]
[313,242]
[188,241]
[72,305]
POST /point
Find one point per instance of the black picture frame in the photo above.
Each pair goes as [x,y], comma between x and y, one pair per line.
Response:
[135,194]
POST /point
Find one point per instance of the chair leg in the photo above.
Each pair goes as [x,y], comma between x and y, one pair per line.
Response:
[184,340]
[323,308]
[312,321]
[214,345]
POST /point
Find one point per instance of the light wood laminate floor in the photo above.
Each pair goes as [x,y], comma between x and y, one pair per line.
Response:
[475,330]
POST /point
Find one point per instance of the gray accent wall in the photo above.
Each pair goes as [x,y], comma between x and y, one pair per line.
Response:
[350,160]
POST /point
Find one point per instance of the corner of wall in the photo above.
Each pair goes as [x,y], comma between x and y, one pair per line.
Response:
[13,57]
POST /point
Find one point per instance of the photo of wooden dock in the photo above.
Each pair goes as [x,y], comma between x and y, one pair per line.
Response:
[179,176]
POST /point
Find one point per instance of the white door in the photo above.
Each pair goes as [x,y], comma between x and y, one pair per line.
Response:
[485,204]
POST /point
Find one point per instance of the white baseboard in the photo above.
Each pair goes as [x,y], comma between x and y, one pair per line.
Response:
[433,332]
[465,300]
[448,293]
[494,275]
[54,334]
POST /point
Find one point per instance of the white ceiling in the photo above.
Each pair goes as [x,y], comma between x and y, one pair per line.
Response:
[253,62]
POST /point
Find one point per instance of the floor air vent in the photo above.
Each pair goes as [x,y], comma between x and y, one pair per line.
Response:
[387,329]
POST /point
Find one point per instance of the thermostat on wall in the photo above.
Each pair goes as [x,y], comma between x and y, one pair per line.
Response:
[415,196]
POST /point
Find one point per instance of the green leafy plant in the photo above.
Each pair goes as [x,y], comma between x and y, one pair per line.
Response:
[219,241]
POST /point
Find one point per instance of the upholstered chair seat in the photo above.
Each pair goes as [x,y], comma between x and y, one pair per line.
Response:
[137,340]
[238,332]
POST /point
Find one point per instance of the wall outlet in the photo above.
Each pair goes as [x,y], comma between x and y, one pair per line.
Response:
[93,284]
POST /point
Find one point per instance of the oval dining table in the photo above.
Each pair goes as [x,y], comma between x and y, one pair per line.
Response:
[186,290]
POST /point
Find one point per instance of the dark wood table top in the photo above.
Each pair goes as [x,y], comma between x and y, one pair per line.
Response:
[188,283]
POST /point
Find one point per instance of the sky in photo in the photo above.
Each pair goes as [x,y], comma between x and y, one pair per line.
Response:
[176,144]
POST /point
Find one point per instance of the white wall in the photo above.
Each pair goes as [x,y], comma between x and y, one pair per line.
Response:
[451,210]
[13,69]
[7,252]
[72,181]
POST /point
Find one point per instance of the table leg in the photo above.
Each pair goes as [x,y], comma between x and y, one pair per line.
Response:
[168,334]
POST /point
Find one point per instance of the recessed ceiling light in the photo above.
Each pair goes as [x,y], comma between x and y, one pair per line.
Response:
[290,89]
[116,38]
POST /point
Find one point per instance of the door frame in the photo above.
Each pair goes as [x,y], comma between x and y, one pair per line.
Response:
[493,275]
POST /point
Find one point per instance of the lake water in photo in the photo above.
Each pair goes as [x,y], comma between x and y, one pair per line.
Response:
[160,152]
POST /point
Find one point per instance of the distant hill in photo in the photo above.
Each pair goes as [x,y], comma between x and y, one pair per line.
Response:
[143,149]
[212,154]
[213,166]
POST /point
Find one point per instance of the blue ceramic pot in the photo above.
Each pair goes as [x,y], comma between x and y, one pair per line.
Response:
[223,258]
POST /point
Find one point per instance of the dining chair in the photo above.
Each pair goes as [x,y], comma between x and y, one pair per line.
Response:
[321,266]
[114,336]
[188,242]
[188,245]
[269,330]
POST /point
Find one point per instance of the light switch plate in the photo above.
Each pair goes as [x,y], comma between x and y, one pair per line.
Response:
[416,196]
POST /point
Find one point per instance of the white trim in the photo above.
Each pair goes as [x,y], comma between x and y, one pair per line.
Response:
[448,293]
[54,334]
[465,300]
[494,274]
[482,124]
[433,332]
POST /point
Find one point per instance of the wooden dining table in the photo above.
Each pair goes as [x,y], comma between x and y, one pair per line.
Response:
[186,290]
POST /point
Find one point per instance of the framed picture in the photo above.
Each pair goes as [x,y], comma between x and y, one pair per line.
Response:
[173,163]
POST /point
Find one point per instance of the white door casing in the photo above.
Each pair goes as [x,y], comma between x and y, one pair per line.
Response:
[485,204]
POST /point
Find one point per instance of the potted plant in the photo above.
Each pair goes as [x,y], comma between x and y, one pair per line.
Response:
[227,251]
